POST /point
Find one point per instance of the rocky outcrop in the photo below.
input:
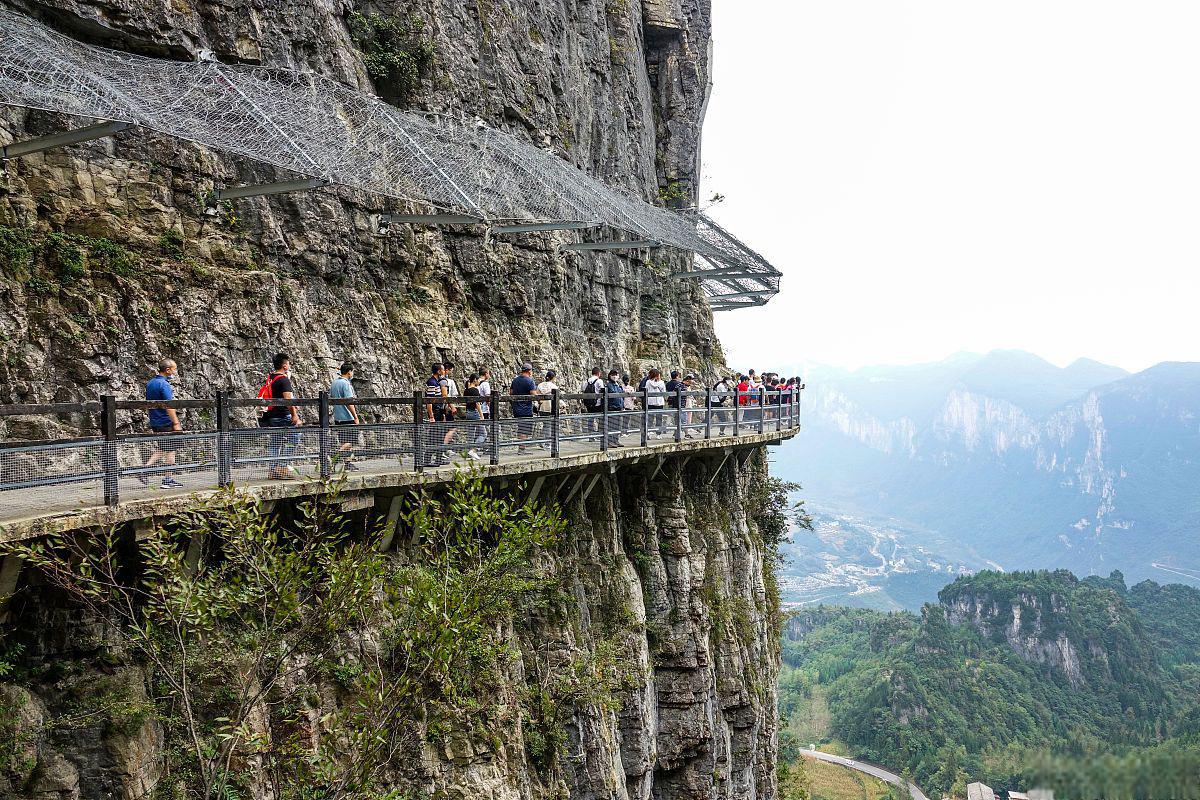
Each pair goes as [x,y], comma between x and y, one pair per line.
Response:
[671,570]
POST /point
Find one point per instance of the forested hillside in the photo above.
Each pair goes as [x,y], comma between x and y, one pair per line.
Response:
[1015,679]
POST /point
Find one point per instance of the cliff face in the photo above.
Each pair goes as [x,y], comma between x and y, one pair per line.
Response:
[107,263]
[617,93]
[668,571]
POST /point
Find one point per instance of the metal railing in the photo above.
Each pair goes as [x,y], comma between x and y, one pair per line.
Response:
[403,434]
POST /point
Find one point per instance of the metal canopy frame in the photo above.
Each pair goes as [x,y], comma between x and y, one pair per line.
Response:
[631,244]
[30,146]
[330,134]
[535,227]
[262,189]
[429,219]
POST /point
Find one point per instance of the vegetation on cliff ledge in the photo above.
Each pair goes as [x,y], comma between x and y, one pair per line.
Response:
[290,658]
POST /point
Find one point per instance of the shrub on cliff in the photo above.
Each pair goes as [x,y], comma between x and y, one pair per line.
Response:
[290,658]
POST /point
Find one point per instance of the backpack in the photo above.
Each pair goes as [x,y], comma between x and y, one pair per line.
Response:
[589,387]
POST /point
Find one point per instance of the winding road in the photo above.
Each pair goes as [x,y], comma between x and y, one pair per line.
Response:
[869,769]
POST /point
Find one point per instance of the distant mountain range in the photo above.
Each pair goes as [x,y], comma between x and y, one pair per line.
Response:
[1006,458]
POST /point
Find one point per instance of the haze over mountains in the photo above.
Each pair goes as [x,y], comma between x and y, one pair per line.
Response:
[1007,459]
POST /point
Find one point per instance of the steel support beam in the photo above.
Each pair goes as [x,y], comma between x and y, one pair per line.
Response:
[636,244]
[29,146]
[534,227]
[260,189]
[429,219]
[757,295]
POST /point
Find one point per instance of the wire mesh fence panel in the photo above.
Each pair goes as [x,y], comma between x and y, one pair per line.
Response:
[51,477]
[581,432]
[176,462]
[274,453]
[457,439]
[524,435]
[372,448]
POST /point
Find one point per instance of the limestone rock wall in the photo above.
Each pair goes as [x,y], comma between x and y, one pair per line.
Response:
[303,272]
[671,568]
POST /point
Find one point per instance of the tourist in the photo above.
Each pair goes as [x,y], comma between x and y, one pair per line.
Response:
[435,411]
[721,401]
[655,400]
[744,399]
[545,406]
[613,389]
[593,403]
[451,387]
[630,404]
[163,421]
[522,407]
[689,382]
[345,417]
[485,391]
[282,445]
[477,432]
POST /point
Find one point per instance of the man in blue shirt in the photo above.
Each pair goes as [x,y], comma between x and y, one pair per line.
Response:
[345,417]
[163,421]
[523,386]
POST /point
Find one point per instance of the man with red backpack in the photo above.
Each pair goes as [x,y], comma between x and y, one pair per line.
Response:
[278,386]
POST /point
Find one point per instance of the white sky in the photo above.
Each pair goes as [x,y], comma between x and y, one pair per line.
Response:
[947,175]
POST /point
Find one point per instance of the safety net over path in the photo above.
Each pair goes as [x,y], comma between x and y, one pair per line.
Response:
[316,127]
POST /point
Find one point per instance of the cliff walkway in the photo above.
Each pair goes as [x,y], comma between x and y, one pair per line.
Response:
[115,477]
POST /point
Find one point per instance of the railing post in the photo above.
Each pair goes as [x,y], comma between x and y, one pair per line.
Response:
[779,416]
[224,445]
[325,445]
[418,433]
[708,413]
[495,455]
[604,421]
[108,453]
[645,417]
[555,424]
[762,408]
[678,414]
[737,410]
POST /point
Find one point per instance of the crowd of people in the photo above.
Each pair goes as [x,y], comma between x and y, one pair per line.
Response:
[735,396]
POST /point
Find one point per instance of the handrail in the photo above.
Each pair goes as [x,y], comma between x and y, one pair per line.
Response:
[424,436]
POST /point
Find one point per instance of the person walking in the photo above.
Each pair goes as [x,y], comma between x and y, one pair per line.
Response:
[477,432]
[435,414]
[485,391]
[655,401]
[163,422]
[593,388]
[545,406]
[451,410]
[279,386]
[721,401]
[630,404]
[689,383]
[345,417]
[744,398]
[522,404]
[613,389]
